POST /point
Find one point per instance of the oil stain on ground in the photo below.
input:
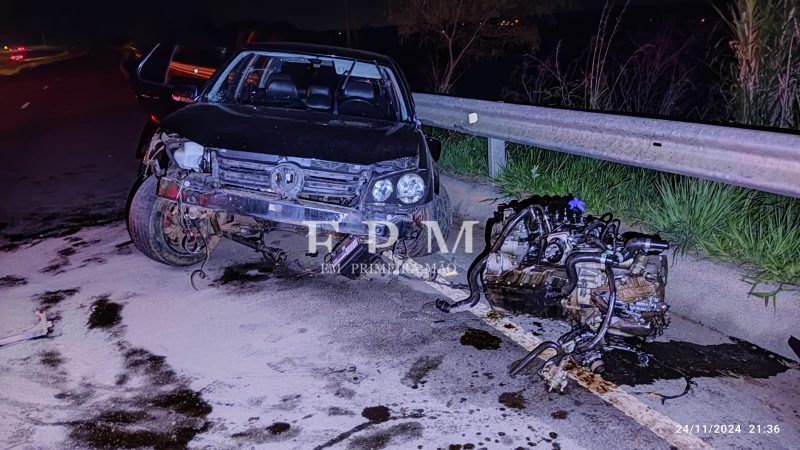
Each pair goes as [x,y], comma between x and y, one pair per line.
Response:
[514,400]
[98,434]
[80,243]
[123,416]
[124,248]
[56,267]
[105,313]
[376,414]
[248,277]
[94,260]
[279,427]
[141,361]
[245,273]
[480,339]
[183,401]
[10,281]
[394,435]
[48,299]
[337,411]
[67,252]
[674,360]
[150,415]
[420,369]
[51,358]
[278,431]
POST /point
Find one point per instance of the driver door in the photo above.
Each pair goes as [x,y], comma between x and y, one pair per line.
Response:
[167,76]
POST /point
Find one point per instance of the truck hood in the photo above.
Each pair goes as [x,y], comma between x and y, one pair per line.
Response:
[287,132]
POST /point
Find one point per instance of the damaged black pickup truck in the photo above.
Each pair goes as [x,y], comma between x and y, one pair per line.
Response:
[282,136]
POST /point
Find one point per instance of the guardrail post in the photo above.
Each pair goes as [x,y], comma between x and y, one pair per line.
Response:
[497,156]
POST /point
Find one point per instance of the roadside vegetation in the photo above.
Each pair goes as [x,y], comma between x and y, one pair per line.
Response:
[462,153]
[759,84]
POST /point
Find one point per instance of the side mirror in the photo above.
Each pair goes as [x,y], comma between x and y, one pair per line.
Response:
[435,147]
[185,93]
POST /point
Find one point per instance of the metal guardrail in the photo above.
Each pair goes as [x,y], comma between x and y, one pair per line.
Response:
[763,160]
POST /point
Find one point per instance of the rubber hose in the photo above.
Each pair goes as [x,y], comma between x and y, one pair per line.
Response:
[612,301]
[522,364]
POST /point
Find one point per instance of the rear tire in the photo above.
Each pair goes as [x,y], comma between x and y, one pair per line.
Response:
[439,211]
[147,216]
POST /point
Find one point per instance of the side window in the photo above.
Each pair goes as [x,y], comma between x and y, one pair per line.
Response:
[228,84]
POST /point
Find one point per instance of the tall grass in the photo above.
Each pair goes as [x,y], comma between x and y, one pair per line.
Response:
[697,214]
[652,77]
[461,154]
[604,186]
[765,235]
[763,83]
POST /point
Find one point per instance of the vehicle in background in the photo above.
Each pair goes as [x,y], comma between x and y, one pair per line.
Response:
[15,53]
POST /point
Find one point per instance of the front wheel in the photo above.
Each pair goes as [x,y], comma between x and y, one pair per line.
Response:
[439,211]
[159,231]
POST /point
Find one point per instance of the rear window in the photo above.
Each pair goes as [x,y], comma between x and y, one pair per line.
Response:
[336,85]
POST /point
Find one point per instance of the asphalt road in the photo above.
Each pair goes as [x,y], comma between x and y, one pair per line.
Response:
[67,138]
[265,356]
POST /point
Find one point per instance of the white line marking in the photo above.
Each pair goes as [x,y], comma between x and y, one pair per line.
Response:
[656,422]
[25,105]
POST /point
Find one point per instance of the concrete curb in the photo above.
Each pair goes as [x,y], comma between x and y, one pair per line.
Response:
[708,292]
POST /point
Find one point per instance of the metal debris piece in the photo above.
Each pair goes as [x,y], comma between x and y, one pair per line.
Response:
[794,343]
[40,329]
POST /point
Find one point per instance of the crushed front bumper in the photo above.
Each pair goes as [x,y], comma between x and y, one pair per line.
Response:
[194,191]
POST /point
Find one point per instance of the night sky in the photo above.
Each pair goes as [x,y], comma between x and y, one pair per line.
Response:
[87,22]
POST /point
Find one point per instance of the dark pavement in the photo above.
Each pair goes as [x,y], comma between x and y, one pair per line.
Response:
[67,135]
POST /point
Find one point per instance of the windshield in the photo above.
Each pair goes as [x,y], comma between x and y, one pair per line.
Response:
[337,85]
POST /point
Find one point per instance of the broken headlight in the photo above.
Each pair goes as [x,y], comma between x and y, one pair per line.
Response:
[410,188]
[406,187]
[381,190]
[190,155]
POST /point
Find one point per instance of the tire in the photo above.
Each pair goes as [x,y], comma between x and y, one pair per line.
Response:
[146,222]
[439,211]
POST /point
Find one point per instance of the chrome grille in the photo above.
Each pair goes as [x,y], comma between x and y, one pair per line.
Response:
[327,185]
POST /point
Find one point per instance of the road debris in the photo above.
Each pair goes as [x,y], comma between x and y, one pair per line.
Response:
[40,329]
